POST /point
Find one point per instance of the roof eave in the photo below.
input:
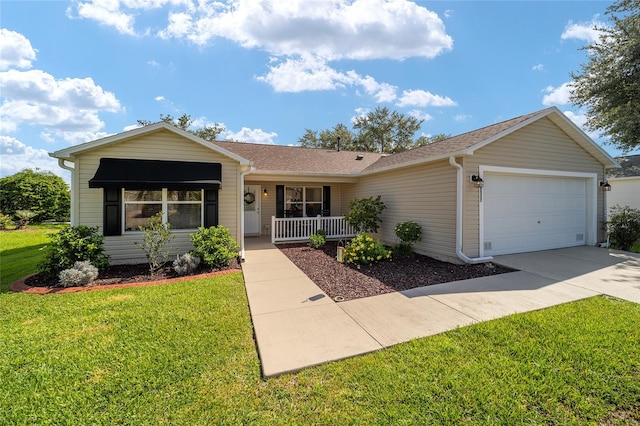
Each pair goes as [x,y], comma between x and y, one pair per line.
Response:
[413,163]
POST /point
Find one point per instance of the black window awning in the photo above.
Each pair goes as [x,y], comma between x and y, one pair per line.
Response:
[156,174]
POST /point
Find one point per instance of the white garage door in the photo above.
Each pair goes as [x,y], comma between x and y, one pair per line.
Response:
[527,213]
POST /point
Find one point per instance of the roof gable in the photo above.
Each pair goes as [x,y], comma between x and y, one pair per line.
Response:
[73,151]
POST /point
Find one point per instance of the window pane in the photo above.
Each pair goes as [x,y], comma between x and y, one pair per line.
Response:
[184,195]
[294,193]
[136,215]
[314,209]
[130,195]
[184,216]
[314,194]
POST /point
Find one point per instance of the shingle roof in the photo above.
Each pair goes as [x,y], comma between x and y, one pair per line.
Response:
[630,167]
[288,159]
[448,146]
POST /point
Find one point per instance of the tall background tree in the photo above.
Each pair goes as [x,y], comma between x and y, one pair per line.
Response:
[184,122]
[380,130]
[608,85]
[43,193]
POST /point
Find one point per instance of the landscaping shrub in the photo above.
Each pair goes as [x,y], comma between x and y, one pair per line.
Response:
[318,240]
[23,217]
[624,227]
[74,244]
[81,274]
[364,214]
[215,246]
[156,236]
[408,232]
[5,222]
[364,249]
[186,264]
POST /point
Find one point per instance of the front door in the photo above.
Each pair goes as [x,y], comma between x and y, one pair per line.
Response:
[252,210]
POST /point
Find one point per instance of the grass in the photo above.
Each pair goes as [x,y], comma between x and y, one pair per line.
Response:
[636,247]
[20,252]
[184,353]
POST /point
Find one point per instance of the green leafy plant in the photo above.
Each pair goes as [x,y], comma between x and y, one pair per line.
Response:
[156,236]
[364,214]
[186,264]
[624,227]
[5,222]
[24,217]
[215,246]
[317,240]
[409,233]
[364,249]
[82,273]
[74,244]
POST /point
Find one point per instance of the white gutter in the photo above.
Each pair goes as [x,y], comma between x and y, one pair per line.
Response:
[459,200]
[72,216]
[242,175]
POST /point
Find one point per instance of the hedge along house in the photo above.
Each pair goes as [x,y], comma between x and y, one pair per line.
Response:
[525,184]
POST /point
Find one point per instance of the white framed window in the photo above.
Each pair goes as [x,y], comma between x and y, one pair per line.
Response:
[182,209]
[303,201]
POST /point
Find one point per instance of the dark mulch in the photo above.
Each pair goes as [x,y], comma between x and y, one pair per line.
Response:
[123,274]
[401,273]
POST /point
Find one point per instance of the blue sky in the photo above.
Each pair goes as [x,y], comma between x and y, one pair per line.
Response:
[75,71]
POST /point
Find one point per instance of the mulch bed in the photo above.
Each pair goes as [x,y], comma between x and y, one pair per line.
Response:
[346,282]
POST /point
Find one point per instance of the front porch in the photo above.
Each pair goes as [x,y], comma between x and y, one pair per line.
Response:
[301,228]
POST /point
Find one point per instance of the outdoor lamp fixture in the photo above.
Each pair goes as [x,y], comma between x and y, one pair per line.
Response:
[605,186]
[265,192]
[477,181]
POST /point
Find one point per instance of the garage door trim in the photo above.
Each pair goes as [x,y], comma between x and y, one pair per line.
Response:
[591,196]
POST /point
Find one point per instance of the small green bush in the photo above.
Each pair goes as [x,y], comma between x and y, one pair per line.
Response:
[81,274]
[74,244]
[364,249]
[186,264]
[408,232]
[317,240]
[322,232]
[5,222]
[23,218]
[364,214]
[215,246]
[624,227]
[156,236]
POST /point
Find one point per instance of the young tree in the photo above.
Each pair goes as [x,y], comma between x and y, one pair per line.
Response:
[609,83]
[386,131]
[43,193]
[184,122]
[328,139]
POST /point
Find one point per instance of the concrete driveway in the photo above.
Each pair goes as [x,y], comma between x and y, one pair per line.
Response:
[297,325]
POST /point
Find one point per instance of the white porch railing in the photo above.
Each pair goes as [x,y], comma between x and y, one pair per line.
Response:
[300,228]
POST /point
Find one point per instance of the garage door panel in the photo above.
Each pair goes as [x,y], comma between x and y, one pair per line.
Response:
[527,213]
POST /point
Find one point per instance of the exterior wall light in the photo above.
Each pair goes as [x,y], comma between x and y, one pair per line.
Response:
[265,192]
[477,181]
[605,186]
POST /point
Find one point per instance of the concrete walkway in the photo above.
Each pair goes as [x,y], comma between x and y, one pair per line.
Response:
[297,325]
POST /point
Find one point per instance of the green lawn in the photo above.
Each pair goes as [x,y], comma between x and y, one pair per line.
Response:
[184,353]
[20,252]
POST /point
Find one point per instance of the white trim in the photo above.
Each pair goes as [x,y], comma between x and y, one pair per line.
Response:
[591,200]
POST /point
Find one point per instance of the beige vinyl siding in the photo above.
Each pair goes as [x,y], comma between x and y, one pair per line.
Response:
[541,145]
[425,194]
[162,145]
[624,192]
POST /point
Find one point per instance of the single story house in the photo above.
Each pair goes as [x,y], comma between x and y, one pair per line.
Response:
[529,183]
[625,183]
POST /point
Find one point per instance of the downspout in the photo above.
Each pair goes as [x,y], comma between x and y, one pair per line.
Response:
[459,200]
[242,175]
[72,198]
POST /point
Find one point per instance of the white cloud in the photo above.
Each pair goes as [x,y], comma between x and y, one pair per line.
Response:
[131,127]
[583,31]
[15,50]
[580,120]
[159,98]
[420,115]
[153,63]
[106,13]
[539,67]
[17,156]
[252,136]
[461,117]
[37,98]
[303,74]
[422,98]
[557,95]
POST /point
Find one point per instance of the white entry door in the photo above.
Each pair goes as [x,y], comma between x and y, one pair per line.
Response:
[529,213]
[252,210]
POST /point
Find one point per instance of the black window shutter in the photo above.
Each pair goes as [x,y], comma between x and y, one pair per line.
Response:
[279,200]
[210,208]
[112,222]
[326,201]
